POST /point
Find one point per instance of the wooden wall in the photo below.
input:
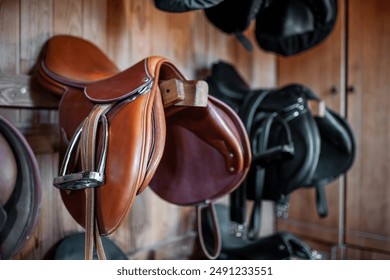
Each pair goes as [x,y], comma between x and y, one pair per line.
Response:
[127,30]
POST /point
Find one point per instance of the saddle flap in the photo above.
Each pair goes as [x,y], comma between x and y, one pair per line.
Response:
[216,162]
[127,84]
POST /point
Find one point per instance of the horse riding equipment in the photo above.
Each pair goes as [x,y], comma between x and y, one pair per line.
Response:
[180,6]
[288,27]
[235,245]
[20,190]
[233,17]
[71,248]
[114,126]
[296,142]
[285,27]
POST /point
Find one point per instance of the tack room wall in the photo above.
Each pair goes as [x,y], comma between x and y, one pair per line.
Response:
[127,31]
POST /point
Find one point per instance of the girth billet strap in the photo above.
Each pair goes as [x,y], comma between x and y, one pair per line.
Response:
[84,144]
[88,149]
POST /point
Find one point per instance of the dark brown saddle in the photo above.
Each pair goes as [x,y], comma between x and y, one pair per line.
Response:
[121,129]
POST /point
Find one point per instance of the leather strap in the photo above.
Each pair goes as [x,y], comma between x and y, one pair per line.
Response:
[3,216]
[258,125]
[88,158]
[217,231]
[321,201]
[247,113]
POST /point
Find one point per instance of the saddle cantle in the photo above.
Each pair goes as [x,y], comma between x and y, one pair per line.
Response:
[113,132]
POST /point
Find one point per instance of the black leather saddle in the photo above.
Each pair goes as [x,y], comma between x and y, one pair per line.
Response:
[284,27]
[296,142]
[288,27]
[181,6]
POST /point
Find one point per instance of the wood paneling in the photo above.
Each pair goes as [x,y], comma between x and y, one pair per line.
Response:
[127,31]
[369,112]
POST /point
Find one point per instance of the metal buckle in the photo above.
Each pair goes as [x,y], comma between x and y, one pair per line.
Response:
[238,230]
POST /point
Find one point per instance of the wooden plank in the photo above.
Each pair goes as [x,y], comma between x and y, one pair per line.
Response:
[139,28]
[9,43]
[368,199]
[160,27]
[118,42]
[35,29]
[68,17]
[17,91]
[177,247]
[94,22]
[10,46]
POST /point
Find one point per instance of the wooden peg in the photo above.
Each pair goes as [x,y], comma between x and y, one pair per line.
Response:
[184,93]
[317,107]
[172,91]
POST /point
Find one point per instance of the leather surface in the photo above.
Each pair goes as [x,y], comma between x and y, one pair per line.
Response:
[207,154]
[136,141]
[77,60]
[181,6]
[22,206]
[288,27]
[120,86]
[8,170]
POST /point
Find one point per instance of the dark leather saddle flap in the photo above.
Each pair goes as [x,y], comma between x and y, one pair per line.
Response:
[206,155]
[126,84]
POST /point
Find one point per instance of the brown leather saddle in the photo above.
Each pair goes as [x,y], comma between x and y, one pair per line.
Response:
[120,129]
